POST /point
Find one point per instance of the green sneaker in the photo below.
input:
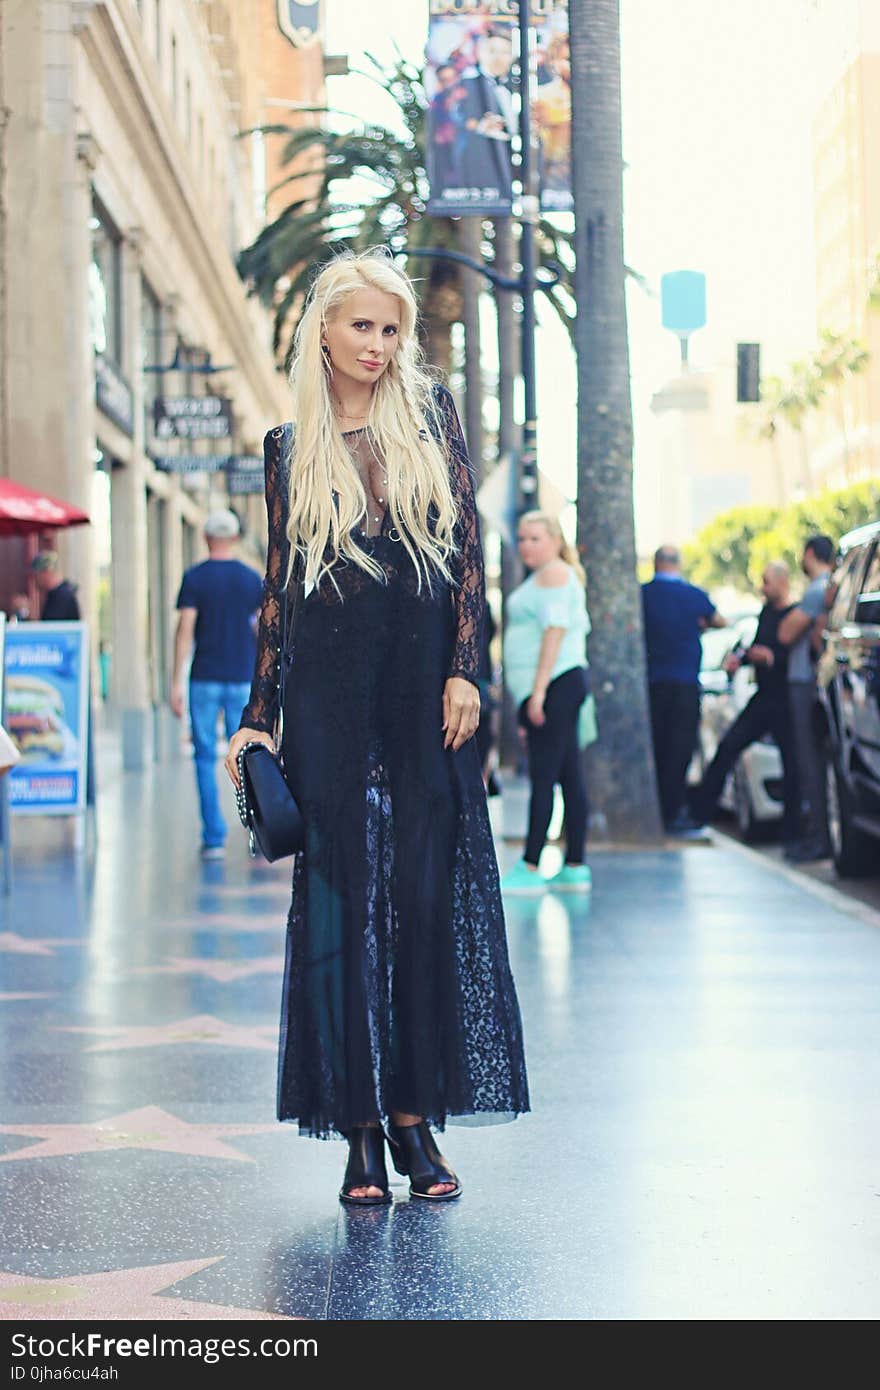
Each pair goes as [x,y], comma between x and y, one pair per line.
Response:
[521,880]
[572,878]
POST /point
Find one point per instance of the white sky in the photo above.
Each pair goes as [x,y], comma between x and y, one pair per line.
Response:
[718,100]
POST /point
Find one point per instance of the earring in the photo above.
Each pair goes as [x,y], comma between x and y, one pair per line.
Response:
[325,348]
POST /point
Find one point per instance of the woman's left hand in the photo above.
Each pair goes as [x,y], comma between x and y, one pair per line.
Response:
[461,711]
[535,711]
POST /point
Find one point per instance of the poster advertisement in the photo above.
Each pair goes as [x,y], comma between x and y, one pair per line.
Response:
[471,119]
[551,108]
[46,716]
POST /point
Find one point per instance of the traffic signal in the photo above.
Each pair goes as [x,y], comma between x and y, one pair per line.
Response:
[748,372]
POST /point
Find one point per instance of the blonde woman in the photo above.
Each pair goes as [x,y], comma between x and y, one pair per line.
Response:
[545,669]
[398,1006]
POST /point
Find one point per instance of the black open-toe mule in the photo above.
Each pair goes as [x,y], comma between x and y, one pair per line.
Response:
[416,1156]
[366,1166]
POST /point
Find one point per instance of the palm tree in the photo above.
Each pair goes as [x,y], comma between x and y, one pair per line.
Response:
[622,762]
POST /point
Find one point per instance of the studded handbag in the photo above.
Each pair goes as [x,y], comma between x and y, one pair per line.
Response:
[266,805]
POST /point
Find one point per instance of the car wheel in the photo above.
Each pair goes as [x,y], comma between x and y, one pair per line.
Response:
[855,853]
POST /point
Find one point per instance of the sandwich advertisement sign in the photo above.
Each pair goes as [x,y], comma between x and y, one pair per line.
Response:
[46,715]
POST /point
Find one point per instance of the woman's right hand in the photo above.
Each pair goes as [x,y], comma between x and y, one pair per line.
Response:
[237,742]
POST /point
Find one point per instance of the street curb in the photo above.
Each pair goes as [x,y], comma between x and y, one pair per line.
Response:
[834,897]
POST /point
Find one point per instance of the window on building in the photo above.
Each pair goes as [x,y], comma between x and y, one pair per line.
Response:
[105,284]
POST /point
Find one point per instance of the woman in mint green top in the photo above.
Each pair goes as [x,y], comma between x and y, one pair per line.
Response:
[546,672]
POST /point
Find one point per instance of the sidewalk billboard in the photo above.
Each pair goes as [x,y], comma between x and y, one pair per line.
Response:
[46,715]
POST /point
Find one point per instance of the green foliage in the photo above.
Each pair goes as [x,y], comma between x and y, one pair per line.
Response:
[720,553]
[735,546]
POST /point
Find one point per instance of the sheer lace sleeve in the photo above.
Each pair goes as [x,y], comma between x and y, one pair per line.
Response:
[261,710]
[467,563]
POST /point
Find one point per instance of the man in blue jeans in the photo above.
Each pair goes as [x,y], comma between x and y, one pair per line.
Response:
[218,602]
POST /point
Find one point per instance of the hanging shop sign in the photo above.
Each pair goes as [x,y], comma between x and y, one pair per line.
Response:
[299,21]
[192,417]
[245,473]
[46,716]
[113,395]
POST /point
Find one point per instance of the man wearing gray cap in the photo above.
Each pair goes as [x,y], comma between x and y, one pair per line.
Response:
[218,601]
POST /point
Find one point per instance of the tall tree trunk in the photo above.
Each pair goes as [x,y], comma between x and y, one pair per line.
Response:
[470,238]
[622,778]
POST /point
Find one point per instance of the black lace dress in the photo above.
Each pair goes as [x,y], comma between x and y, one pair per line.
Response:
[397,988]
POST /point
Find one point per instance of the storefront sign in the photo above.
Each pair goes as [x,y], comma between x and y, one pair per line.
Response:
[245,473]
[191,463]
[192,417]
[298,21]
[46,714]
[113,394]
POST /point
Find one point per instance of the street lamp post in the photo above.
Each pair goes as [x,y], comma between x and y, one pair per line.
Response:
[528,471]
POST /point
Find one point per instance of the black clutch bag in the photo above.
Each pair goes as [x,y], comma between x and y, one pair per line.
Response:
[266,805]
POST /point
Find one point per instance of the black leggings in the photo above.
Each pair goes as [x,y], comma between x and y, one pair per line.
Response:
[554,756]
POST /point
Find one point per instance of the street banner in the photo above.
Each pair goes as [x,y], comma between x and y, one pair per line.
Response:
[192,417]
[46,713]
[471,119]
[551,108]
[245,473]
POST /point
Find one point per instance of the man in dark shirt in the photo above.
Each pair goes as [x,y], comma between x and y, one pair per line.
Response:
[766,713]
[60,603]
[675,614]
[218,601]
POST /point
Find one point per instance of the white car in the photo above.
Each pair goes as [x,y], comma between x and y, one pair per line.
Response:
[753,792]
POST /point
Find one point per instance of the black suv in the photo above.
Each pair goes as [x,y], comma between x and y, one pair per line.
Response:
[849,705]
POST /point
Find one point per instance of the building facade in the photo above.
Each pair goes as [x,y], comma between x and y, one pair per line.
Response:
[128,187]
[846,181]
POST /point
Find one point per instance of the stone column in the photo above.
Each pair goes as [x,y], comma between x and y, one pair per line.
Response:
[129,524]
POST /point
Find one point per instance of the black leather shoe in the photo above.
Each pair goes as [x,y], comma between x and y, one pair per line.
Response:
[365,1167]
[416,1156]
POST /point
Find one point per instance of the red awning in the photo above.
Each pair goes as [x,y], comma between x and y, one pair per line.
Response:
[23,511]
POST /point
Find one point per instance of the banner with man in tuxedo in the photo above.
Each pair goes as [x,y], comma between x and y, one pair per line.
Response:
[471,116]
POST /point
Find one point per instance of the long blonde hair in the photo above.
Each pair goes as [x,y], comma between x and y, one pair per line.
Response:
[416,463]
[567,552]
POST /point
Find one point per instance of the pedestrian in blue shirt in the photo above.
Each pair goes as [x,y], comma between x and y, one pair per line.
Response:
[676,613]
[218,603]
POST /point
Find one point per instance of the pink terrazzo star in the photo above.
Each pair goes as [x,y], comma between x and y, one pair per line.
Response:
[223,971]
[115,1295]
[33,945]
[146,1128]
[201,1028]
[230,921]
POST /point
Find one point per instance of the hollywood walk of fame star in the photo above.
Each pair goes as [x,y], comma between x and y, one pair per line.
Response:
[116,1294]
[35,945]
[201,1028]
[146,1128]
[221,971]
[229,921]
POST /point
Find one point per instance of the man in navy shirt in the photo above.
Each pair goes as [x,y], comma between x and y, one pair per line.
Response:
[675,614]
[218,602]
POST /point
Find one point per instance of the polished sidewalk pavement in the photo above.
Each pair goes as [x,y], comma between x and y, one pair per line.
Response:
[704,1053]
